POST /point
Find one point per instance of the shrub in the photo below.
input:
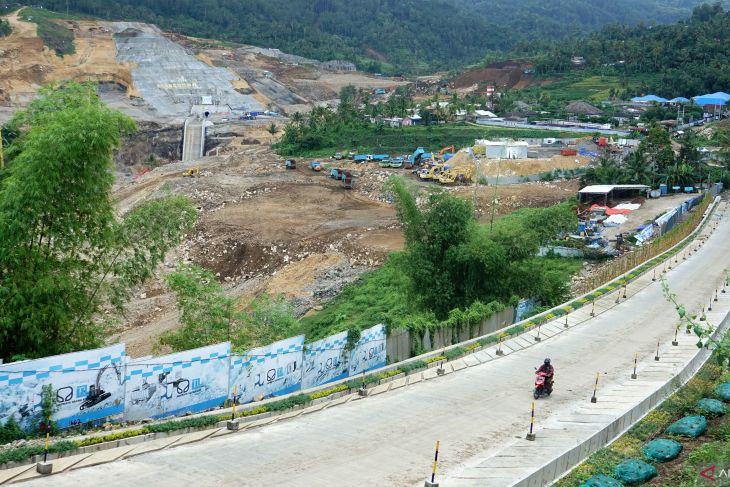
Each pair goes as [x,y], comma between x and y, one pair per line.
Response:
[196,422]
[454,353]
[328,392]
[437,358]
[94,440]
[411,366]
[11,431]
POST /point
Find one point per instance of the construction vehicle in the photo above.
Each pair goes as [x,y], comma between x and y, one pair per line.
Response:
[290,164]
[351,154]
[440,154]
[338,156]
[192,172]
[380,157]
[360,158]
[431,173]
[336,173]
[347,180]
[462,174]
[396,162]
[315,166]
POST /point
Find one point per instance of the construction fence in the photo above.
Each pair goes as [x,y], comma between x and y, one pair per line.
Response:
[100,385]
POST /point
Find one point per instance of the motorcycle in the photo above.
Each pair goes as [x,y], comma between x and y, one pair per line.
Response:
[543,385]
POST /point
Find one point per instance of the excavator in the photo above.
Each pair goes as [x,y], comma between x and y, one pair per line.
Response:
[444,155]
[463,174]
[192,172]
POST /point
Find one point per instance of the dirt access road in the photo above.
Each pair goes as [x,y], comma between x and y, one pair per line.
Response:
[388,439]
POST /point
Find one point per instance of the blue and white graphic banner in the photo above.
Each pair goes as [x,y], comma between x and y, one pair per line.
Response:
[325,361]
[194,380]
[88,386]
[272,370]
[370,352]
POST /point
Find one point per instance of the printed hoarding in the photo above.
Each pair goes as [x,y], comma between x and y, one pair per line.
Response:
[273,370]
[194,380]
[88,386]
[369,352]
[325,361]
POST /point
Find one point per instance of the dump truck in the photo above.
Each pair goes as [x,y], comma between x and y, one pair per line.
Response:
[290,164]
[336,173]
[347,180]
[396,162]
[315,166]
[338,156]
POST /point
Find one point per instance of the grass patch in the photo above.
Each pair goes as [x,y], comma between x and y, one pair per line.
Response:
[54,35]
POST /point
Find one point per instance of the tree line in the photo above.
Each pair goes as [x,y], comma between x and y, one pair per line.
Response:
[389,36]
[688,58]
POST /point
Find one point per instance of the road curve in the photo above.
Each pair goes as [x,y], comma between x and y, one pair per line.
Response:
[388,440]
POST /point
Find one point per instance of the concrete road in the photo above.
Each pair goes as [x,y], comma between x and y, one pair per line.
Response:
[193,140]
[388,440]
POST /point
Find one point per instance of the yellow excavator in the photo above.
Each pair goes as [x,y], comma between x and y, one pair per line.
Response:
[192,172]
[463,174]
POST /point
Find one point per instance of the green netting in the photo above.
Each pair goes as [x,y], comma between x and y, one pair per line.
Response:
[711,406]
[723,390]
[691,426]
[601,481]
[662,450]
[634,472]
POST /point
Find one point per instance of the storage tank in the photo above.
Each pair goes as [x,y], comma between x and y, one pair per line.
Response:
[663,189]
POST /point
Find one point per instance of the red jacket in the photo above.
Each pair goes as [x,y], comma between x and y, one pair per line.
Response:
[547,369]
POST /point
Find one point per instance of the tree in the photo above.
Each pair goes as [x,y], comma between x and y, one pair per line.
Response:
[272,129]
[208,316]
[67,264]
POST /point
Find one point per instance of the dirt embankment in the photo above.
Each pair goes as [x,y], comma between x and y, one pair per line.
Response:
[26,64]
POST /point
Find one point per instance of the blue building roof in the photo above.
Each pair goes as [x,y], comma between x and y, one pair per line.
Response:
[719,94]
[649,98]
[709,100]
[679,99]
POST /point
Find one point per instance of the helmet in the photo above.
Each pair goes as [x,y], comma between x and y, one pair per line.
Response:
[547,361]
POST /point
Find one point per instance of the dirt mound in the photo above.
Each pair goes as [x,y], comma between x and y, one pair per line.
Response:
[506,73]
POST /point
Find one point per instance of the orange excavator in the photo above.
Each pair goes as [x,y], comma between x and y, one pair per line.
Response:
[442,151]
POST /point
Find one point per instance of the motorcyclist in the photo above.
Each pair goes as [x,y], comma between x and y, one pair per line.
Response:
[549,372]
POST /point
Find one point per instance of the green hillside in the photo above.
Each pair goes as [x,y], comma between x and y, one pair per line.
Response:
[414,36]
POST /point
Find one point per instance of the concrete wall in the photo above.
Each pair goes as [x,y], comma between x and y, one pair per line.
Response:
[399,341]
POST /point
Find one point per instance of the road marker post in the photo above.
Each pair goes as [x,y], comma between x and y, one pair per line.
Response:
[675,343]
[499,350]
[664,271]
[232,424]
[715,295]
[594,399]
[709,306]
[593,307]
[45,467]
[531,436]
[636,358]
[625,285]
[362,392]
[656,357]
[440,370]
[653,278]
[537,337]
[565,325]
[433,483]
[702,315]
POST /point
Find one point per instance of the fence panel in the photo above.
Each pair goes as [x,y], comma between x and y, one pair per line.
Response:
[194,380]
[88,386]
[369,352]
[272,370]
[325,361]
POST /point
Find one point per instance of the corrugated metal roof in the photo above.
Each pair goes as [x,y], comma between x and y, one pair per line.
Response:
[607,188]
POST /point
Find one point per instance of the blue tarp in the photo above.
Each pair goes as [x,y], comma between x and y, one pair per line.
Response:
[649,98]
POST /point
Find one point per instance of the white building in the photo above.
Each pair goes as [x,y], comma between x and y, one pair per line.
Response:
[504,149]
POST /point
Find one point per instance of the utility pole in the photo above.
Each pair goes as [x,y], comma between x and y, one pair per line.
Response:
[2,157]
[494,197]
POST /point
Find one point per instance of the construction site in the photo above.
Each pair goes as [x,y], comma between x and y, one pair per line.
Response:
[303,229]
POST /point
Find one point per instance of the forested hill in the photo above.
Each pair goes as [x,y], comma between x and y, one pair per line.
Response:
[688,58]
[415,36]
